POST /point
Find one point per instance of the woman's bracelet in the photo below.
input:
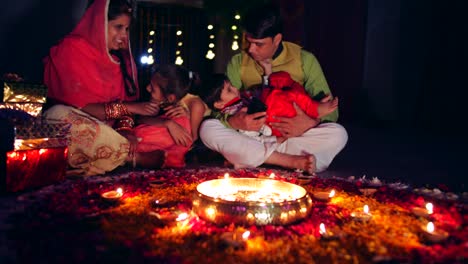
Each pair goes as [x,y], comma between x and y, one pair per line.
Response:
[124,123]
[115,110]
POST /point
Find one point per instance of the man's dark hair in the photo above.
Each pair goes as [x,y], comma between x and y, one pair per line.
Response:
[262,22]
[212,88]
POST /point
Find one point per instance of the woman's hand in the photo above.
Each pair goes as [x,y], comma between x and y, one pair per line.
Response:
[132,140]
[244,121]
[178,133]
[143,108]
[294,126]
[174,111]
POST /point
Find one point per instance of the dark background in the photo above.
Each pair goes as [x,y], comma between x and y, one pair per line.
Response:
[398,67]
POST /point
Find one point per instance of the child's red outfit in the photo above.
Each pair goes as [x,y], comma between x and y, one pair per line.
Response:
[279,97]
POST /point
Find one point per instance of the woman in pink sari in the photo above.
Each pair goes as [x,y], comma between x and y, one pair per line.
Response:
[90,77]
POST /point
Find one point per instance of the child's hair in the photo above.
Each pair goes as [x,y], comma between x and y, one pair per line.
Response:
[212,88]
[174,79]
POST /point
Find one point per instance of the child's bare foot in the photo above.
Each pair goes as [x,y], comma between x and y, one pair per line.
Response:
[305,163]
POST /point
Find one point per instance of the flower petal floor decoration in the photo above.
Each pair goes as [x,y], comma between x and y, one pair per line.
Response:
[152,222]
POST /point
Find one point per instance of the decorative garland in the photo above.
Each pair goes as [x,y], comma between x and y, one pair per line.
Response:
[71,222]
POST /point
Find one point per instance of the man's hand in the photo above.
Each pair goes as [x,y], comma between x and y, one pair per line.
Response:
[294,126]
[244,121]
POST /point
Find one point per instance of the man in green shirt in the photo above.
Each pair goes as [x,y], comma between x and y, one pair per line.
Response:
[266,52]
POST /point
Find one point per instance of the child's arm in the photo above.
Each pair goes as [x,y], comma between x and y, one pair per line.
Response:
[180,135]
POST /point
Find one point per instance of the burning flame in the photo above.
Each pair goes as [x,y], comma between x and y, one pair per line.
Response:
[366,209]
[120,191]
[182,217]
[429,208]
[430,227]
[211,212]
[226,175]
[246,235]
[322,229]
[272,175]
[332,193]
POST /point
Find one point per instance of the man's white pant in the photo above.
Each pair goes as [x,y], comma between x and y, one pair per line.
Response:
[324,141]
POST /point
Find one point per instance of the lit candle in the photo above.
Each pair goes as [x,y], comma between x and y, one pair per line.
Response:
[170,214]
[159,202]
[157,182]
[430,208]
[113,195]
[366,209]
[368,191]
[246,235]
[182,217]
[228,189]
[304,179]
[326,234]
[424,212]
[225,176]
[322,230]
[324,196]
[235,239]
[433,235]
[362,216]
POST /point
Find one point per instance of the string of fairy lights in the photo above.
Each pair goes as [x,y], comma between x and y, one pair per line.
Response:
[210,53]
[148,57]
[235,32]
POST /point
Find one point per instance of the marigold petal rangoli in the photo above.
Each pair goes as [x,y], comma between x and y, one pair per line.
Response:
[153,221]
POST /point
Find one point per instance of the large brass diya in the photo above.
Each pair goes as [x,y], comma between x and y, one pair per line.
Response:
[251,201]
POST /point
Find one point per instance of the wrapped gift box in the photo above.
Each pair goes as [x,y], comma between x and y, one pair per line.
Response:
[22,92]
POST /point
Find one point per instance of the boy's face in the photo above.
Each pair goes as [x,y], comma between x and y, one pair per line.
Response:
[228,93]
